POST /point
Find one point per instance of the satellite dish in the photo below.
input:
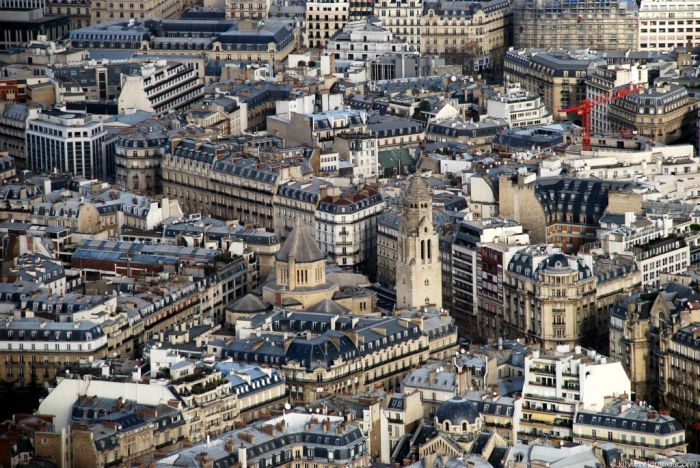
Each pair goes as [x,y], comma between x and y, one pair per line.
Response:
[462,351]
[257,334]
[318,410]
[453,78]
[287,406]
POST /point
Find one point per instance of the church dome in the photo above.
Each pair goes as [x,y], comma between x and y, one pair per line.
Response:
[301,246]
[456,411]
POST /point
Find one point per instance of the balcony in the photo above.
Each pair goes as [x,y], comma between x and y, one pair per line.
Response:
[587,439]
[545,397]
[542,384]
[555,422]
[542,370]
[534,409]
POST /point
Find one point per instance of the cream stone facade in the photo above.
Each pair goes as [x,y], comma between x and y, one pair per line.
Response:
[105,10]
[549,298]
[403,19]
[595,24]
[239,9]
[459,28]
[300,273]
[667,24]
[324,18]
[418,271]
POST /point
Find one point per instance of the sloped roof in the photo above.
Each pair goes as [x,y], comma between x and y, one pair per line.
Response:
[389,159]
[329,306]
[301,245]
[249,303]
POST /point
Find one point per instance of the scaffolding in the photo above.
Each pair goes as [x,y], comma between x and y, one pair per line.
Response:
[572,24]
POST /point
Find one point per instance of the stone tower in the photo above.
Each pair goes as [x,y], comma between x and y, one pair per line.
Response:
[418,273]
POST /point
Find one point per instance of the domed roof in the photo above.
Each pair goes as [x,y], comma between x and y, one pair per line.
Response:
[457,410]
[301,245]
[558,261]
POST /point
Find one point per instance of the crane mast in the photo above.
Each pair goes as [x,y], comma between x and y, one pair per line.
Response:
[586,106]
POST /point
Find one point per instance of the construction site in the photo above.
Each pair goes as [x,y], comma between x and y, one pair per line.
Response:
[572,24]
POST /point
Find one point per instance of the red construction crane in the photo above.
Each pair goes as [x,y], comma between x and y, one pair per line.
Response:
[585,107]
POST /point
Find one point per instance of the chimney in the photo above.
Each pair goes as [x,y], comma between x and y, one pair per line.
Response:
[228,445]
[269,429]
[110,424]
[432,375]
[174,403]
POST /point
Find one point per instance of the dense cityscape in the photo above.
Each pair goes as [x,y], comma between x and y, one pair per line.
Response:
[349,233]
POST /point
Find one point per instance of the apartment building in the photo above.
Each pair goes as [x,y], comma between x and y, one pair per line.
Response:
[663,113]
[518,107]
[561,380]
[323,19]
[388,230]
[362,40]
[346,227]
[77,11]
[291,439]
[13,126]
[603,81]
[565,223]
[549,298]
[34,350]
[493,258]
[257,389]
[614,158]
[255,10]
[213,281]
[261,41]
[468,276]
[678,375]
[394,132]
[160,87]
[641,325]
[297,201]
[662,255]
[666,25]
[617,276]
[361,151]
[138,155]
[319,129]
[65,142]
[363,354]
[558,77]
[635,427]
[399,417]
[599,25]
[206,182]
[472,29]
[104,10]
[403,19]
